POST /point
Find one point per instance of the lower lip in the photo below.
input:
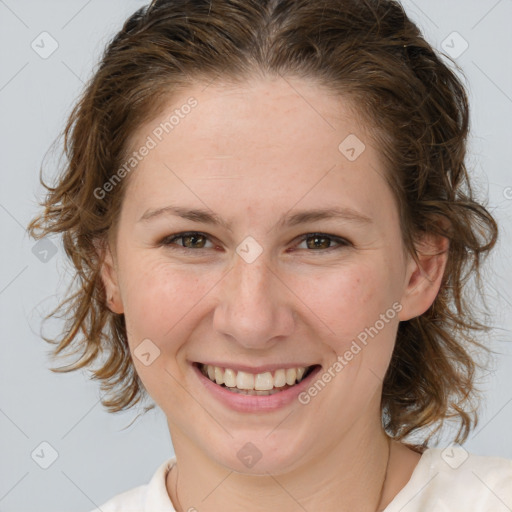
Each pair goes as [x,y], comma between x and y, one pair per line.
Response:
[255,403]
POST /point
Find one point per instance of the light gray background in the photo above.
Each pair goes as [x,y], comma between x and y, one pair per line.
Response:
[96,459]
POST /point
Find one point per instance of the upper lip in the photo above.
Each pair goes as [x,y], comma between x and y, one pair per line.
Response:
[256,369]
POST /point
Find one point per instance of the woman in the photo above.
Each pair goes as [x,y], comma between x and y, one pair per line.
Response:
[272,224]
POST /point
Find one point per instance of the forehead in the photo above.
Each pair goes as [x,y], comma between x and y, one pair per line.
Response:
[266,114]
[260,141]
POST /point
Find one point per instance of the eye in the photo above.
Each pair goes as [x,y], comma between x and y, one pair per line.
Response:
[323,241]
[196,240]
[189,240]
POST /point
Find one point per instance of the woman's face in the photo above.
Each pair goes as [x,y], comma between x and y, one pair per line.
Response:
[253,289]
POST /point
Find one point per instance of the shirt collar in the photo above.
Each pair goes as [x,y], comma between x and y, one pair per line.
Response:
[157,498]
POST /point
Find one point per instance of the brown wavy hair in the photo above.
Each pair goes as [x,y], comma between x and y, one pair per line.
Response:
[415,107]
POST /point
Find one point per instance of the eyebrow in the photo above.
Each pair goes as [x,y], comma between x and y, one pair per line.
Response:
[301,217]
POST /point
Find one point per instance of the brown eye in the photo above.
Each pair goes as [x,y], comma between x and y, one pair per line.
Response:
[193,241]
[318,242]
[190,240]
[321,241]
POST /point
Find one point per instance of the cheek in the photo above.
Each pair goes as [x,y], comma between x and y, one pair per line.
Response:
[158,297]
[348,299]
[161,303]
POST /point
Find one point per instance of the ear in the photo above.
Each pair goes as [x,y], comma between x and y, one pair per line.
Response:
[109,276]
[424,277]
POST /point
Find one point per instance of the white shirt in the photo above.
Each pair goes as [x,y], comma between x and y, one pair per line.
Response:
[449,480]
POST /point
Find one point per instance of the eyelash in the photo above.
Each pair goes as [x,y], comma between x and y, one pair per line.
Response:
[168,241]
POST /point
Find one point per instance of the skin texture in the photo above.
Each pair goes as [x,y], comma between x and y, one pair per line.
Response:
[251,153]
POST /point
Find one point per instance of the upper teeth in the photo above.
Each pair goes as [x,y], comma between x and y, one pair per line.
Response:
[260,381]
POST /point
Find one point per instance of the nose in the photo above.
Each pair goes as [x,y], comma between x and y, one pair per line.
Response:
[255,307]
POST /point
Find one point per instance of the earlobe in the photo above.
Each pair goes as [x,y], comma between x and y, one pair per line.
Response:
[424,276]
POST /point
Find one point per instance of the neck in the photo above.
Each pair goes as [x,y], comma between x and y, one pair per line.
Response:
[348,476]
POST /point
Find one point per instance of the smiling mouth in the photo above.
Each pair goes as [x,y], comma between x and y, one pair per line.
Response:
[261,384]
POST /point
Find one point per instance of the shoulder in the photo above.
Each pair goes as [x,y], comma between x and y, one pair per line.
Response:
[151,497]
[454,479]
